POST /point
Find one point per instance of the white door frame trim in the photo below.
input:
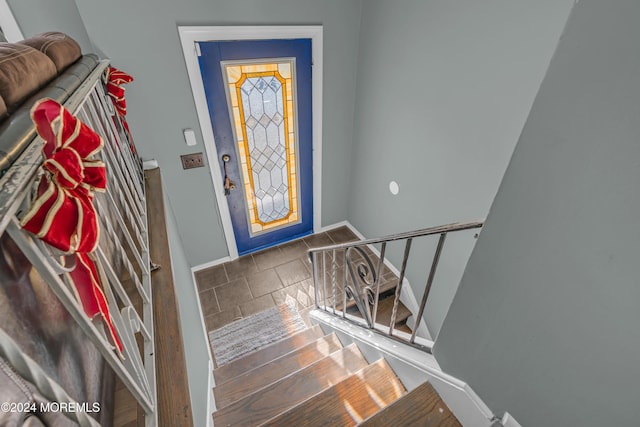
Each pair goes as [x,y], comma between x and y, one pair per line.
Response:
[189,37]
[8,22]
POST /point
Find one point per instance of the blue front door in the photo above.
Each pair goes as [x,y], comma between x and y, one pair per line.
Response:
[259,98]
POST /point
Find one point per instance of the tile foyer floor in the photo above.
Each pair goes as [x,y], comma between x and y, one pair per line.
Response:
[258,281]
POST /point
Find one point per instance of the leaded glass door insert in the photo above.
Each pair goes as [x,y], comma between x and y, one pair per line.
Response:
[259,98]
[261,102]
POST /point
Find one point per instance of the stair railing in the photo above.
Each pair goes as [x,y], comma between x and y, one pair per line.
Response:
[354,275]
[123,258]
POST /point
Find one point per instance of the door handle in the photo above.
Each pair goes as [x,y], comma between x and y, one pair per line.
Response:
[227,183]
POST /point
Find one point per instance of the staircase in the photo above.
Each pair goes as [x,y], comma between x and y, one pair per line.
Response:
[311,379]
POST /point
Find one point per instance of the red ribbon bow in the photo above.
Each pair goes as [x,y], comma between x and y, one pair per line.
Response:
[116,78]
[63,214]
[66,193]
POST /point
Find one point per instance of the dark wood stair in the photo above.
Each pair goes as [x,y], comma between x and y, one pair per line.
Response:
[422,407]
[309,379]
[347,402]
[385,308]
[257,378]
[292,389]
[266,354]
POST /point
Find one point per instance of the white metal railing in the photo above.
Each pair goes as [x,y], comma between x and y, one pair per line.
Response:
[122,254]
[352,273]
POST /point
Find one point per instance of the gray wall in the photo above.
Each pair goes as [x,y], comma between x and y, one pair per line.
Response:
[38,16]
[141,38]
[443,92]
[193,334]
[545,323]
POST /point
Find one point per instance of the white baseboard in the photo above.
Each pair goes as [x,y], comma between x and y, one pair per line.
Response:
[338,225]
[201,314]
[210,264]
[211,402]
[509,421]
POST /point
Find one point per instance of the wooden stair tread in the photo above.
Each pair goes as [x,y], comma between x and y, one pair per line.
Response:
[291,390]
[421,407]
[260,357]
[386,286]
[388,283]
[262,376]
[348,402]
[385,308]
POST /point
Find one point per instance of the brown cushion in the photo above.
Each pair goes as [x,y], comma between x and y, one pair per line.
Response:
[3,109]
[59,47]
[22,71]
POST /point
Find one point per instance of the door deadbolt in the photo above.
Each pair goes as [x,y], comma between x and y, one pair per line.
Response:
[227,183]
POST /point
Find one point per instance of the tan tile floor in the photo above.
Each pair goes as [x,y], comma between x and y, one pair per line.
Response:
[259,281]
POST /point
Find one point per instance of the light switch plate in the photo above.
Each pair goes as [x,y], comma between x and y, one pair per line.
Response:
[189,137]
